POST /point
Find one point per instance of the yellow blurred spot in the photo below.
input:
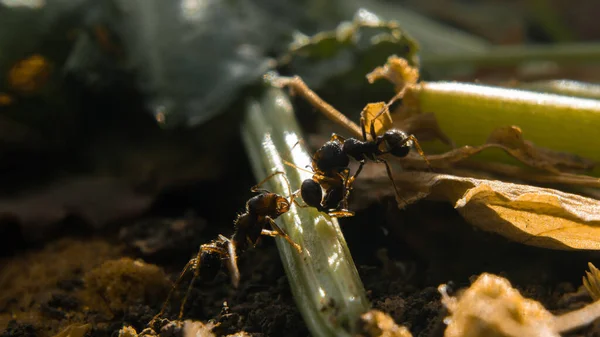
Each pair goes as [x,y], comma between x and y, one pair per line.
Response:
[29,75]
[160,117]
[5,99]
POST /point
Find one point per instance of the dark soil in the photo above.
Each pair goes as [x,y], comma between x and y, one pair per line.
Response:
[402,256]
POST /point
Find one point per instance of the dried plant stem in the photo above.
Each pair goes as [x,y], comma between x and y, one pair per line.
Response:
[323,279]
[578,318]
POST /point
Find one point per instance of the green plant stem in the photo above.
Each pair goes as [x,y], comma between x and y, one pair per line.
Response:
[323,278]
[564,87]
[511,55]
[468,113]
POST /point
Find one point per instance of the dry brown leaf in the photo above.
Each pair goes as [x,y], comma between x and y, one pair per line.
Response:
[198,329]
[511,140]
[375,323]
[531,215]
[591,281]
[378,115]
[397,71]
[491,307]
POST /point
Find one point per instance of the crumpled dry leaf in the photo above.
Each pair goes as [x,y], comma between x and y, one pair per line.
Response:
[377,114]
[531,215]
[198,329]
[511,140]
[591,281]
[398,71]
[375,323]
[492,307]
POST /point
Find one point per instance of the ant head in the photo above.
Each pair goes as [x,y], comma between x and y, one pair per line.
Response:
[397,142]
[282,205]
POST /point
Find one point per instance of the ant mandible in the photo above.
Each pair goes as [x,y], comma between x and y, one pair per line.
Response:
[249,227]
[333,156]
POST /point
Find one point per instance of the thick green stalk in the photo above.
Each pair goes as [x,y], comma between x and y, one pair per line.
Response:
[468,113]
[323,278]
[564,87]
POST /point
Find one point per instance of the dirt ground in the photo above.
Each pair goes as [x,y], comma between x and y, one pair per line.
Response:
[402,256]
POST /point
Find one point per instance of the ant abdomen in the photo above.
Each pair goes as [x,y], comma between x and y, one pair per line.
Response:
[331,158]
[311,193]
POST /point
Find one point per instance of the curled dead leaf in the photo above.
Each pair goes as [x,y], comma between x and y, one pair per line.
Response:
[398,71]
[378,116]
[511,140]
[492,307]
[591,281]
[375,323]
[530,215]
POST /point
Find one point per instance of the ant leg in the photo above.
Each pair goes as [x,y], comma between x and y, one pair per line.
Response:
[232,265]
[344,212]
[295,194]
[335,136]
[270,233]
[351,179]
[363,128]
[290,164]
[418,147]
[389,173]
[341,214]
[196,265]
[420,150]
[256,188]
[283,234]
[373,133]
[191,263]
[297,85]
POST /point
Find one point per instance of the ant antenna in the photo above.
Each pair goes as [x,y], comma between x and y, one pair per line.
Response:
[256,188]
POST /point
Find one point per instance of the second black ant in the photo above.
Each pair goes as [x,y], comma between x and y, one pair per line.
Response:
[332,159]
[249,227]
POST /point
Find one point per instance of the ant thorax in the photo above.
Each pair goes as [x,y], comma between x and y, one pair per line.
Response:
[359,150]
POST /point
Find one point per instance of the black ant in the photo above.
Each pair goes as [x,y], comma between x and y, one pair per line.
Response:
[327,190]
[333,157]
[327,194]
[261,212]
